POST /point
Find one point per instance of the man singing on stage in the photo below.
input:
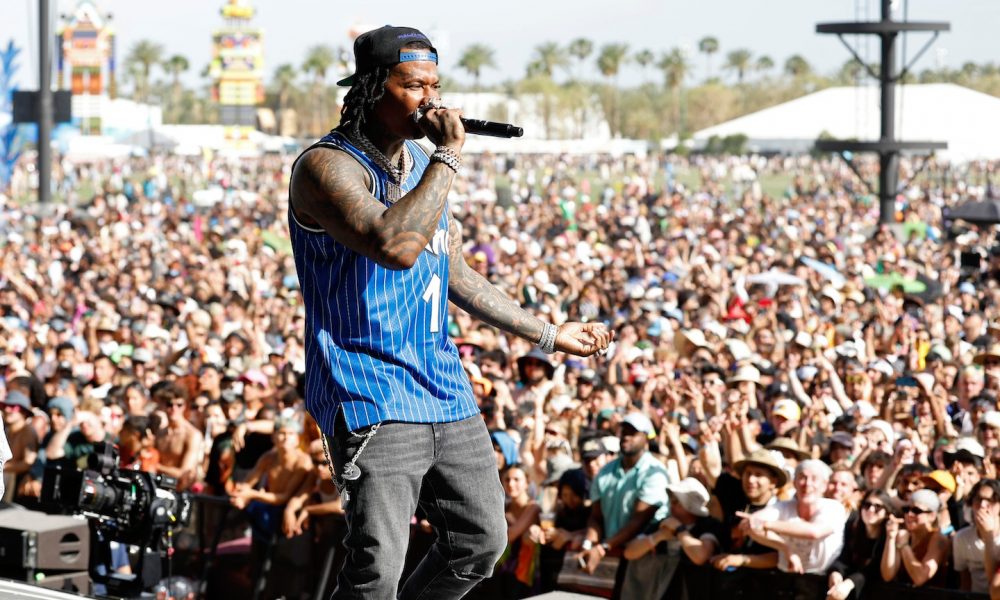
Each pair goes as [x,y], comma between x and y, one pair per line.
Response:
[378,257]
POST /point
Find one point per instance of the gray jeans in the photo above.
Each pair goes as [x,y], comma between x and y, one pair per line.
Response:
[450,470]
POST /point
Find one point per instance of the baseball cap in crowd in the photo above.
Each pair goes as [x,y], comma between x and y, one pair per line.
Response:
[254,376]
[966,287]
[18,399]
[863,409]
[692,495]
[288,423]
[940,480]
[842,438]
[926,499]
[559,403]
[557,465]
[788,409]
[612,443]
[593,448]
[991,419]
[939,352]
[882,426]
[63,405]
[967,450]
[768,459]
[142,355]
[590,376]
[639,422]
[806,372]
[745,373]
[882,366]
[382,47]
[739,349]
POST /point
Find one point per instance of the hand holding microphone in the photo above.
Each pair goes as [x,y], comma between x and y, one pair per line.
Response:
[474,126]
[442,126]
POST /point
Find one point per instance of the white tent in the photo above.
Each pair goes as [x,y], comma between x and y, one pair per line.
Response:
[969,121]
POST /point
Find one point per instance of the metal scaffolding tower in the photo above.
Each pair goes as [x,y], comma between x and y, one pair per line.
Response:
[887,146]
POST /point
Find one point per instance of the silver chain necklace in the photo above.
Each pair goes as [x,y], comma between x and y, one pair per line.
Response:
[397,174]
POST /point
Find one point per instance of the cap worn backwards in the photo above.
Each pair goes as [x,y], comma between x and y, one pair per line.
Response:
[384,46]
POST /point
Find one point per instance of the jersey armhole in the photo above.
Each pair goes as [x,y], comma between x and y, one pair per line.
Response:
[291,202]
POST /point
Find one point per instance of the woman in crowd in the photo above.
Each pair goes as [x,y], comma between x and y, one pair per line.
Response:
[864,541]
[516,574]
[918,552]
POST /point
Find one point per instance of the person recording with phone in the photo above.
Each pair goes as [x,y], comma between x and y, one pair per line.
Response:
[378,257]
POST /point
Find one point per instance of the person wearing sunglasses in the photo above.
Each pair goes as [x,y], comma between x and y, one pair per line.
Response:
[916,553]
[864,543]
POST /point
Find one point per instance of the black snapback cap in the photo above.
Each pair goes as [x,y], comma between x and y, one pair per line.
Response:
[383,47]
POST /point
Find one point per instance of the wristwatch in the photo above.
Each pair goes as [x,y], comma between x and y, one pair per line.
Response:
[606,546]
[681,529]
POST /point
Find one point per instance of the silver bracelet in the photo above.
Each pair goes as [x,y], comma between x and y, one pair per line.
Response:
[447,156]
[548,342]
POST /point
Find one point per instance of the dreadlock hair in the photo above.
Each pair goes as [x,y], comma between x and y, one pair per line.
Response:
[366,91]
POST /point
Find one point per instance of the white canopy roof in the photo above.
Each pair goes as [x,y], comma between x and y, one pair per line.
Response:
[969,121]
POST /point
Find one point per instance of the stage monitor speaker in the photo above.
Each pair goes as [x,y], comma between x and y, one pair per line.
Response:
[76,582]
[40,542]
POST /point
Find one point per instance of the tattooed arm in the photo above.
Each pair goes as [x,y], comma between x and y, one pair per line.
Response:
[471,292]
[330,187]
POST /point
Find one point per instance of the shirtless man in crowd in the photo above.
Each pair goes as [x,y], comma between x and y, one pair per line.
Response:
[276,478]
[179,443]
[280,472]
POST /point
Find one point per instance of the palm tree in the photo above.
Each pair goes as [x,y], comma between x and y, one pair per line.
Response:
[675,67]
[580,49]
[284,78]
[548,57]
[708,46]
[797,67]
[609,63]
[144,54]
[318,60]
[175,65]
[475,58]
[739,61]
[850,71]
[763,64]
[644,58]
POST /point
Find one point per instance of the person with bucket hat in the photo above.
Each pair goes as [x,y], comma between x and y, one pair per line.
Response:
[752,487]
[367,204]
[535,370]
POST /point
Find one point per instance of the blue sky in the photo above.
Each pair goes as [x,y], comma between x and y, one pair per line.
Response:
[778,28]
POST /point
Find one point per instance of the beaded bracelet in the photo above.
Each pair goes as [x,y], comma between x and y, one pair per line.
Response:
[447,156]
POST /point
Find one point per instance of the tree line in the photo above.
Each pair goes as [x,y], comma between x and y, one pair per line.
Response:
[568,81]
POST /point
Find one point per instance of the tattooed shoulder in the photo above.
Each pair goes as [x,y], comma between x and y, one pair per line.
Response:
[323,173]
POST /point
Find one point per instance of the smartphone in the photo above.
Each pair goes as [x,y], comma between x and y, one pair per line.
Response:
[906,381]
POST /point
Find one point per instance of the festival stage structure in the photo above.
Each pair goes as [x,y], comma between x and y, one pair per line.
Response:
[86,64]
[237,67]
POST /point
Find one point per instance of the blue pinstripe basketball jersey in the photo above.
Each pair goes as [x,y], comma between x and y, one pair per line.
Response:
[377,345]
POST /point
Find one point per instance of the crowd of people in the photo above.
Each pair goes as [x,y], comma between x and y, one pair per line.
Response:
[793,387]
